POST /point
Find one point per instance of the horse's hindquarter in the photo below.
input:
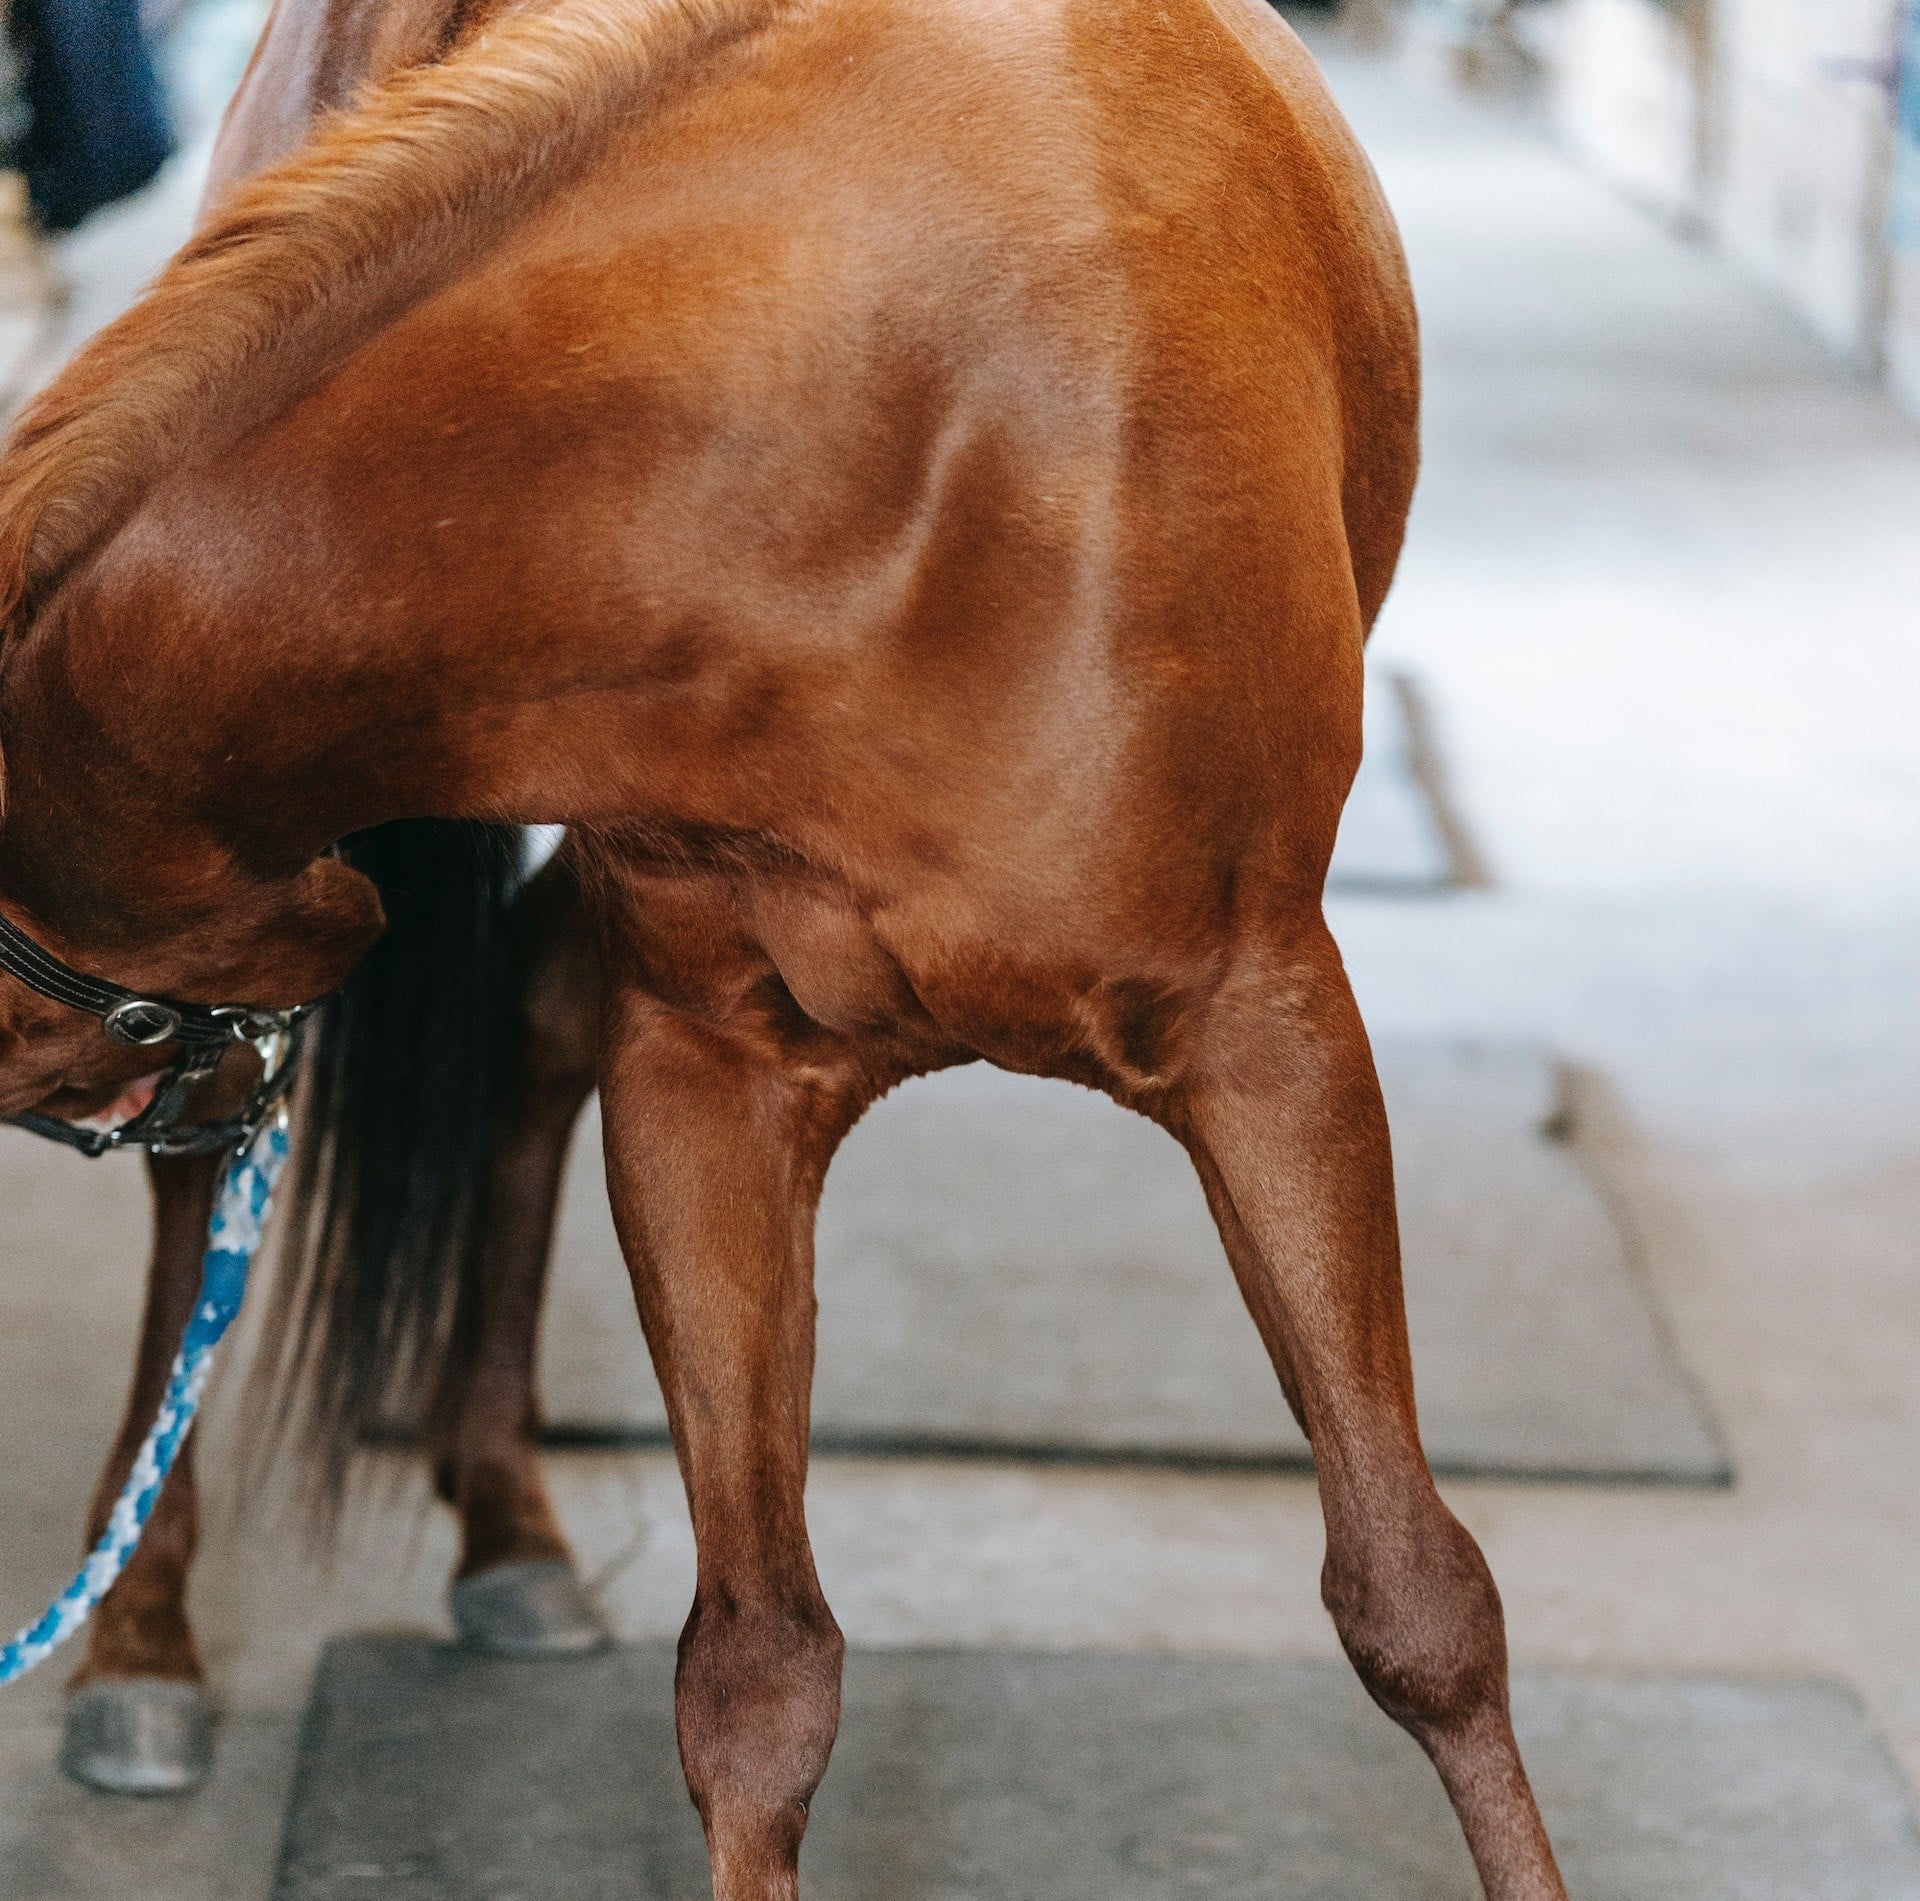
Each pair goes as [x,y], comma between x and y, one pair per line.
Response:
[942,445]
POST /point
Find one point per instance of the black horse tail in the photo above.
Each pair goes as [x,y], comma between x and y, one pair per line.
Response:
[378,1296]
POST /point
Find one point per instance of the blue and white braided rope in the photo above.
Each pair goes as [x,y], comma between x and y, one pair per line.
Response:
[232,1241]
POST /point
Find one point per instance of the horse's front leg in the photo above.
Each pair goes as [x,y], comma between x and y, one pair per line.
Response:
[137,1721]
[516,1592]
[1282,1113]
[716,1150]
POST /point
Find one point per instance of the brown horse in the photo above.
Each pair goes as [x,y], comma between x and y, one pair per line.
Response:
[908,485]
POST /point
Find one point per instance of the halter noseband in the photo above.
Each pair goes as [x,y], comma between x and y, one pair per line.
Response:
[202,1032]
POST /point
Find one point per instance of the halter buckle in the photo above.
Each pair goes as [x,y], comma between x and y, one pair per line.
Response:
[142,1022]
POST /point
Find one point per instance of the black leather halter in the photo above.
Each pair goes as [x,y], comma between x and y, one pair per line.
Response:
[202,1033]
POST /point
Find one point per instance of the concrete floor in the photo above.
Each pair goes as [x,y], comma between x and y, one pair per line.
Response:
[1002,1775]
[1660,594]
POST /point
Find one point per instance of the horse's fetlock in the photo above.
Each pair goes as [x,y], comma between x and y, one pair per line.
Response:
[142,1630]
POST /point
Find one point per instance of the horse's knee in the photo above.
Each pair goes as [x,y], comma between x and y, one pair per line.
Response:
[758,1695]
[1419,1615]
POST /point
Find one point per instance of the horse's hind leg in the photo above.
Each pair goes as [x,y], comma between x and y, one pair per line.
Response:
[137,1720]
[716,1150]
[1282,1112]
[516,1592]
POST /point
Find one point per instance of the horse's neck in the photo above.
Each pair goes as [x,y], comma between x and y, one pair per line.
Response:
[178,715]
[88,844]
[316,57]
[131,830]
[296,271]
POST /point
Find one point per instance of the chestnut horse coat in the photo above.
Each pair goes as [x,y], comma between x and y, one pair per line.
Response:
[907,482]
[952,449]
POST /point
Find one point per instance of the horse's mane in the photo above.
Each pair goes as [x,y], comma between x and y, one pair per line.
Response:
[303,264]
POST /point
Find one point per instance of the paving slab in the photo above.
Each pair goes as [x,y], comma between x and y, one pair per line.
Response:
[427,1775]
[1010,1267]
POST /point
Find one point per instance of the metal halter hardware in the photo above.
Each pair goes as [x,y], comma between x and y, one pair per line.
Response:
[203,1033]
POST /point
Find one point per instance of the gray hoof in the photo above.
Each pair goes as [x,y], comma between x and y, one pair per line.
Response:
[539,1609]
[138,1736]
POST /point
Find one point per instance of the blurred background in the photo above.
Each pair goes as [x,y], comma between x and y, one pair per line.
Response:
[1631,894]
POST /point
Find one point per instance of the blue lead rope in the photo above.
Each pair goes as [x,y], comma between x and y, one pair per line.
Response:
[232,1241]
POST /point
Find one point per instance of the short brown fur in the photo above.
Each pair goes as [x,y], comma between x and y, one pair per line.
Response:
[909,485]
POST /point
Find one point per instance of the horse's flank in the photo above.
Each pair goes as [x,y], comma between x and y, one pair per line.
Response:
[301,265]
